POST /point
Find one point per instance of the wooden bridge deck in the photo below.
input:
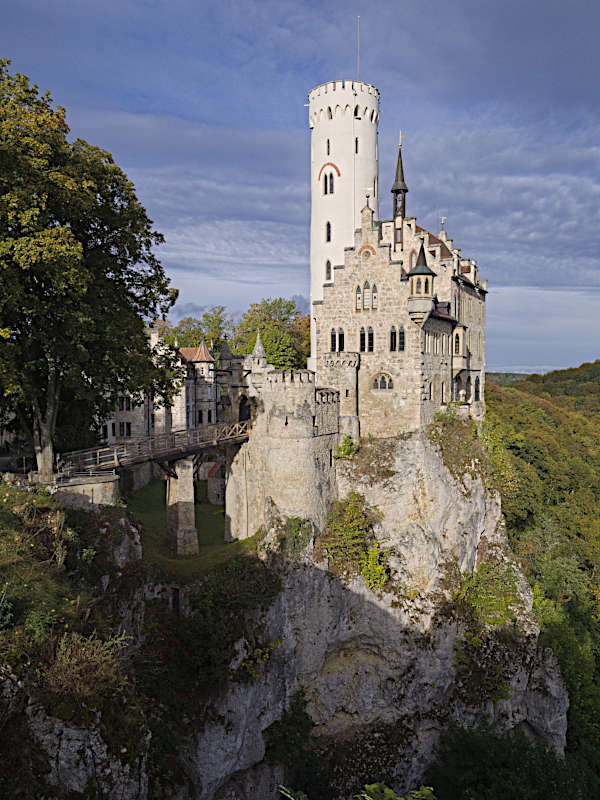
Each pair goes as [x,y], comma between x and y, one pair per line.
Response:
[162,447]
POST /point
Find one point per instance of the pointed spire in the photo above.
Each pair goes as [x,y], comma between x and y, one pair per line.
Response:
[400,186]
[259,350]
[421,268]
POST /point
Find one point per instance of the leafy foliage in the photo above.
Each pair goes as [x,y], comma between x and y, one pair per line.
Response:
[284,332]
[373,568]
[485,765]
[78,276]
[215,325]
[488,595]
[543,438]
[458,443]
[294,537]
[349,533]
[347,449]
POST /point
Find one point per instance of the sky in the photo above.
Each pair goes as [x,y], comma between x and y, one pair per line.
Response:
[203,105]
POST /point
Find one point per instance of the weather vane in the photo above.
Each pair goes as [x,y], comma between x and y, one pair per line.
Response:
[400,137]
[444,220]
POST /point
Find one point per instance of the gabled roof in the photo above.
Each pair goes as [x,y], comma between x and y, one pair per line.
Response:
[421,268]
[201,353]
[444,251]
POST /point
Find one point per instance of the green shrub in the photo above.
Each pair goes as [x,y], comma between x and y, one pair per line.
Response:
[373,568]
[489,594]
[347,449]
[85,667]
[295,536]
[6,608]
[349,533]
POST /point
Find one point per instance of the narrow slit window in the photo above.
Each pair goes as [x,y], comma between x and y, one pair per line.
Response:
[366,295]
[328,271]
[328,231]
[362,340]
[457,345]
[333,340]
[374,297]
[401,338]
[328,147]
[325,184]
[331,183]
[370,340]
[341,340]
[356,145]
[393,339]
[358,298]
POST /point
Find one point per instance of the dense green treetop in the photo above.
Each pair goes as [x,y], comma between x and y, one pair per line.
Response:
[78,275]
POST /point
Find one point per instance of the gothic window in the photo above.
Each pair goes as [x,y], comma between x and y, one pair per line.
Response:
[340,340]
[426,290]
[376,383]
[393,338]
[366,295]
[325,184]
[328,271]
[328,231]
[477,389]
[331,183]
[356,111]
[383,383]
[457,345]
[356,145]
[374,296]
[390,383]
[401,338]
[358,298]
[328,148]
[329,114]
[418,285]
[370,341]
[333,340]
[362,340]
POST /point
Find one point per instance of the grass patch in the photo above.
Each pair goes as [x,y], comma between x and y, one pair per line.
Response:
[149,507]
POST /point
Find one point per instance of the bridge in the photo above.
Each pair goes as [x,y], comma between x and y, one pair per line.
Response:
[161,447]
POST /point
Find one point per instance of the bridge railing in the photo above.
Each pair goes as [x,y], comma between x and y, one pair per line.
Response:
[149,448]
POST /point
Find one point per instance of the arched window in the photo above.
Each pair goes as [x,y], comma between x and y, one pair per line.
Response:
[390,383]
[329,114]
[328,231]
[477,389]
[457,345]
[331,183]
[370,340]
[366,295]
[358,298]
[401,338]
[356,145]
[328,271]
[418,285]
[383,383]
[374,297]
[333,340]
[376,383]
[426,290]
[393,338]
[443,398]
[372,114]
[340,340]
[325,184]
[328,148]
[362,347]
[356,111]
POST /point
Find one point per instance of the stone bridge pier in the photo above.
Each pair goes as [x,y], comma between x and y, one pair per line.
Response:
[181,512]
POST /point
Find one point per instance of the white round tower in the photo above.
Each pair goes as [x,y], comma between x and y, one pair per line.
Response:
[343,117]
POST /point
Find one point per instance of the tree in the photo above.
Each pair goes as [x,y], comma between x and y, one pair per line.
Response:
[78,277]
[215,325]
[282,332]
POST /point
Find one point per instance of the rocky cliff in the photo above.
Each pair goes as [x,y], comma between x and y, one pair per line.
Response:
[331,676]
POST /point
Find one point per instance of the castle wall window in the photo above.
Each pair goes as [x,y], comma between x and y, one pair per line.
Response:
[333,340]
[340,340]
[128,429]
[370,340]
[328,271]
[329,113]
[401,339]
[362,340]
[382,382]
[443,392]
[358,298]
[328,231]
[113,428]
[121,404]
[477,389]
[209,416]
[331,183]
[121,429]
[418,285]
[366,295]
[426,286]
[356,112]
[393,339]
[200,420]
[328,148]
[457,345]
[325,184]
[105,431]
[374,297]
[431,391]
[356,145]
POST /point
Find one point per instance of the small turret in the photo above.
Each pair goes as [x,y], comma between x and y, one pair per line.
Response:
[259,356]
[420,301]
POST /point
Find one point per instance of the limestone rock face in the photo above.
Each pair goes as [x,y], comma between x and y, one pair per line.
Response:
[380,670]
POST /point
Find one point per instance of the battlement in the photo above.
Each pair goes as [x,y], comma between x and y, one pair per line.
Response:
[337,99]
[290,377]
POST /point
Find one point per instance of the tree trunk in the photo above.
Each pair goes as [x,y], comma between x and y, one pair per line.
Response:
[44,426]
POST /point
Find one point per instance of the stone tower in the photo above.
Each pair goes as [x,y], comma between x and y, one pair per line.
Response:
[343,117]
